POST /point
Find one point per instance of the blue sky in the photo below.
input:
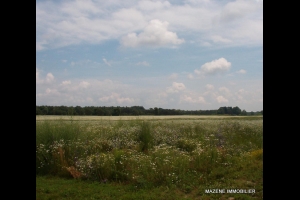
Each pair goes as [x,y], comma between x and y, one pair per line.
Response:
[188,55]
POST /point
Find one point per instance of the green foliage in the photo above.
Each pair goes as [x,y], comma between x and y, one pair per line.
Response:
[186,145]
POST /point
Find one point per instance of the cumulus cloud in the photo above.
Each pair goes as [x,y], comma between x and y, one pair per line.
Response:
[37,75]
[154,34]
[40,80]
[225,91]
[220,65]
[49,78]
[209,87]
[84,84]
[62,23]
[66,82]
[65,23]
[242,71]
[221,99]
[86,92]
[51,91]
[114,97]
[176,87]
[190,99]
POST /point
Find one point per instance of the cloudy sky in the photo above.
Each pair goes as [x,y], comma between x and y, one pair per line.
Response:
[176,54]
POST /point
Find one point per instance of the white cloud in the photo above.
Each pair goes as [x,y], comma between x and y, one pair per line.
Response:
[114,97]
[224,89]
[154,34]
[153,5]
[176,87]
[190,76]
[236,10]
[209,87]
[220,39]
[48,79]
[106,62]
[51,92]
[37,76]
[242,71]
[84,84]
[84,92]
[190,99]
[221,99]
[216,66]
[66,82]
[62,23]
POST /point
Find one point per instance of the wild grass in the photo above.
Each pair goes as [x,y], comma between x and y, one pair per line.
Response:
[183,155]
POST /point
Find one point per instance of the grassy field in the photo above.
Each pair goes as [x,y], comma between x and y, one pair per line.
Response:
[149,157]
[143,117]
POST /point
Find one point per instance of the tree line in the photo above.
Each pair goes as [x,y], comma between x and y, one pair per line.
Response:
[135,111]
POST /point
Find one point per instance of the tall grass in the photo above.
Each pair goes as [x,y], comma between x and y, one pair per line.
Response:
[53,145]
[184,154]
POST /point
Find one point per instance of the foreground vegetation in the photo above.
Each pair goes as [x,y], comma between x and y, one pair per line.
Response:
[132,157]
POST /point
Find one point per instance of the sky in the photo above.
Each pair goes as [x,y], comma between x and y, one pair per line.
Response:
[187,54]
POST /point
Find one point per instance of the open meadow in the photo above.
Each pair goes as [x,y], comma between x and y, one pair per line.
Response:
[149,157]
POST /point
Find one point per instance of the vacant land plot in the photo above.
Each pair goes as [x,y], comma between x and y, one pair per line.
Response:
[201,157]
[143,117]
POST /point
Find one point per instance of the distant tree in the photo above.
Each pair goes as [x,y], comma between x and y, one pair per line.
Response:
[38,110]
[99,111]
[151,111]
[71,110]
[236,110]
[116,111]
[88,110]
[244,112]
[155,111]
[221,110]
[229,110]
[79,110]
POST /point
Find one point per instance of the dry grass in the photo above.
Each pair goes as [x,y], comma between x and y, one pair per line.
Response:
[60,155]
[144,117]
[74,172]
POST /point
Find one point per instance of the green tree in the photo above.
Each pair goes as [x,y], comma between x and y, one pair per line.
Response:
[99,111]
[236,110]
[155,111]
[221,110]
[79,110]
[88,110]
[116,111]
[244,112]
